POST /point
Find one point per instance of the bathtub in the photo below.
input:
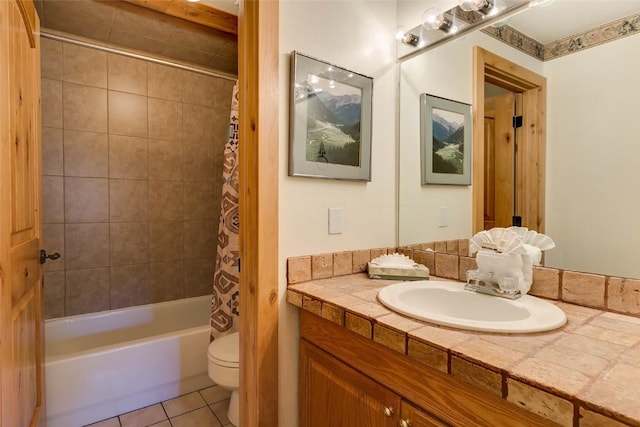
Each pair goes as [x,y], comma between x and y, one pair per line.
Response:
[100,365]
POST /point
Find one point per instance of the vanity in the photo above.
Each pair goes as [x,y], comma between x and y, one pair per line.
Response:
[362,364]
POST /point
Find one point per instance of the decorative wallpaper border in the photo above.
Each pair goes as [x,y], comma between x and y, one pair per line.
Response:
[450,259]
[615,30]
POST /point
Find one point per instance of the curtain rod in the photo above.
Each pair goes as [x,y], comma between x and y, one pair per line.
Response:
[54,35]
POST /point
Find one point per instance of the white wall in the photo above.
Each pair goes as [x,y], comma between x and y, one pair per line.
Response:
[445,71]
[593,153]
[356,35]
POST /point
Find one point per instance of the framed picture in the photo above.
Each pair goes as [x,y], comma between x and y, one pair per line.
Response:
[445,141]
[330,127]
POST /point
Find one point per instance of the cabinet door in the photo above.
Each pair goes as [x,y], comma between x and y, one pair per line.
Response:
[333,394]
[411,416]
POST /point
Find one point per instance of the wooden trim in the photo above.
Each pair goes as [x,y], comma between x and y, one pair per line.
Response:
[446,397]
[259,150]
[533,87]
[194,12]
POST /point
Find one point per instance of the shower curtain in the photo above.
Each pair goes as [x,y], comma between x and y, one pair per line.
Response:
[225,303]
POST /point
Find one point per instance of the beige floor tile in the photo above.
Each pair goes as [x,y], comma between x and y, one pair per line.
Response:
[220,409]
[183,404]
[111,422]
[215,394]
[143,417]
[202,417]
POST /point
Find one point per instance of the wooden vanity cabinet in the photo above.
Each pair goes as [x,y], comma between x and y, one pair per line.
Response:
[347,380]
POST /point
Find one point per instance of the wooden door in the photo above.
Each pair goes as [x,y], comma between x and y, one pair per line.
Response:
[499,160]
[412,416]
[21,333]
[334,394]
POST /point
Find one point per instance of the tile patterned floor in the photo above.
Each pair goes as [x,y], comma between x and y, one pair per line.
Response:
[203,408]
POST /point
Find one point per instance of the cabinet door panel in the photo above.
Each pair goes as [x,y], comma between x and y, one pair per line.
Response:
[336,395]
[415,417]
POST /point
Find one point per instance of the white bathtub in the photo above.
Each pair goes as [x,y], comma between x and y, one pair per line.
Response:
[103,364]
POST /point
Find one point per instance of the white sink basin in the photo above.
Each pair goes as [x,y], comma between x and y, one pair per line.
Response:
[448,304]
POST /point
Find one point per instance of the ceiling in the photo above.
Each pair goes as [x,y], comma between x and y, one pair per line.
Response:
[135,27]
[559,19]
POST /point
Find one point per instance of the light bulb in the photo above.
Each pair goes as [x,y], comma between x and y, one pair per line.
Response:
[401,30]
[484,7]
[432,19]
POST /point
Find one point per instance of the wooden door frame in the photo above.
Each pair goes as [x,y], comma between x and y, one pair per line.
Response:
[532,139]
[258,53]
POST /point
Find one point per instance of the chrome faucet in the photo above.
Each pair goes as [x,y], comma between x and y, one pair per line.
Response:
[484,283]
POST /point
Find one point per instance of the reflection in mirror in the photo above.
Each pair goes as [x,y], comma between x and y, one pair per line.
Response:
[591,203]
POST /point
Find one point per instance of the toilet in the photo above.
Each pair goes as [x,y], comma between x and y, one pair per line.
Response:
[223,368]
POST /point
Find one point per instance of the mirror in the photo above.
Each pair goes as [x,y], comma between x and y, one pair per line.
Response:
[592,208]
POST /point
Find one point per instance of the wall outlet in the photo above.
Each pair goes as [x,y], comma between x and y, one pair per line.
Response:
[335,220]
[443,217]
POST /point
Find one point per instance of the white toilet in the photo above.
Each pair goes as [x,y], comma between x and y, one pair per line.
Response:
[224,356]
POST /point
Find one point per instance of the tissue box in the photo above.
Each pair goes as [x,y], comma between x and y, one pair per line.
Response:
[415,272]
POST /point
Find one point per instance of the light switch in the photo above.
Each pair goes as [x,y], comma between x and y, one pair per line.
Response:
[335,220]
[443,217]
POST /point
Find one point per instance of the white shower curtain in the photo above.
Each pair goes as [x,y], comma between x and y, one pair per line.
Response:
[225,303]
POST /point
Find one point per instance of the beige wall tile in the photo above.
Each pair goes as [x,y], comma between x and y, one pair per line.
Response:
[86,200]
[179,52]
[375,253]
[165,120]
[54,289]
[86,154]
[321,266]
[389,338]
[546,282]
[446,266]
[166,241]
[52,151]
[342,263]
[135,41]
[143,22]
[183,404]
[624,295]
[165,160]
[199,123]
[198,277]
[593,419]
[197,163]
[224,87]
[127,114]
[426,258]
[333,313]
[84,66]
[86,291]
[476,375]
[200,239]
[51,100]
[429,355]
[129,243]
[299,269]
[130,285]
[85,108]
[53,241]
[463,247]
[294,298]
[50,59]
[86,245]
[540,402]
[360,260]
[452,247]
[198,89]
[166,280]
[52,199]
[128,200]
[440,247]
[143,417]
[582,288]
[165,82]
[166,201]
[128,157]
[84,19]
[466,264]
[200,201]
[127,74]
[358,324]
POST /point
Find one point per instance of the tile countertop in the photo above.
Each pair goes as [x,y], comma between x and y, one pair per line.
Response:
[590,365]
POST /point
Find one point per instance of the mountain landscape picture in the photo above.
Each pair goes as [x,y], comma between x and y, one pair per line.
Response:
[333,122]
[448,142]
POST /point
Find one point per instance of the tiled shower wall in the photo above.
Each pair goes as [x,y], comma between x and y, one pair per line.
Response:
[132,158]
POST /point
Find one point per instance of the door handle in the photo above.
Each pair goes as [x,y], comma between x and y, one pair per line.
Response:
[43,256]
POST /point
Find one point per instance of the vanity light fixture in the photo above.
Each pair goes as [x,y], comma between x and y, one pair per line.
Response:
[411,39]
[432,19]
[484,7]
